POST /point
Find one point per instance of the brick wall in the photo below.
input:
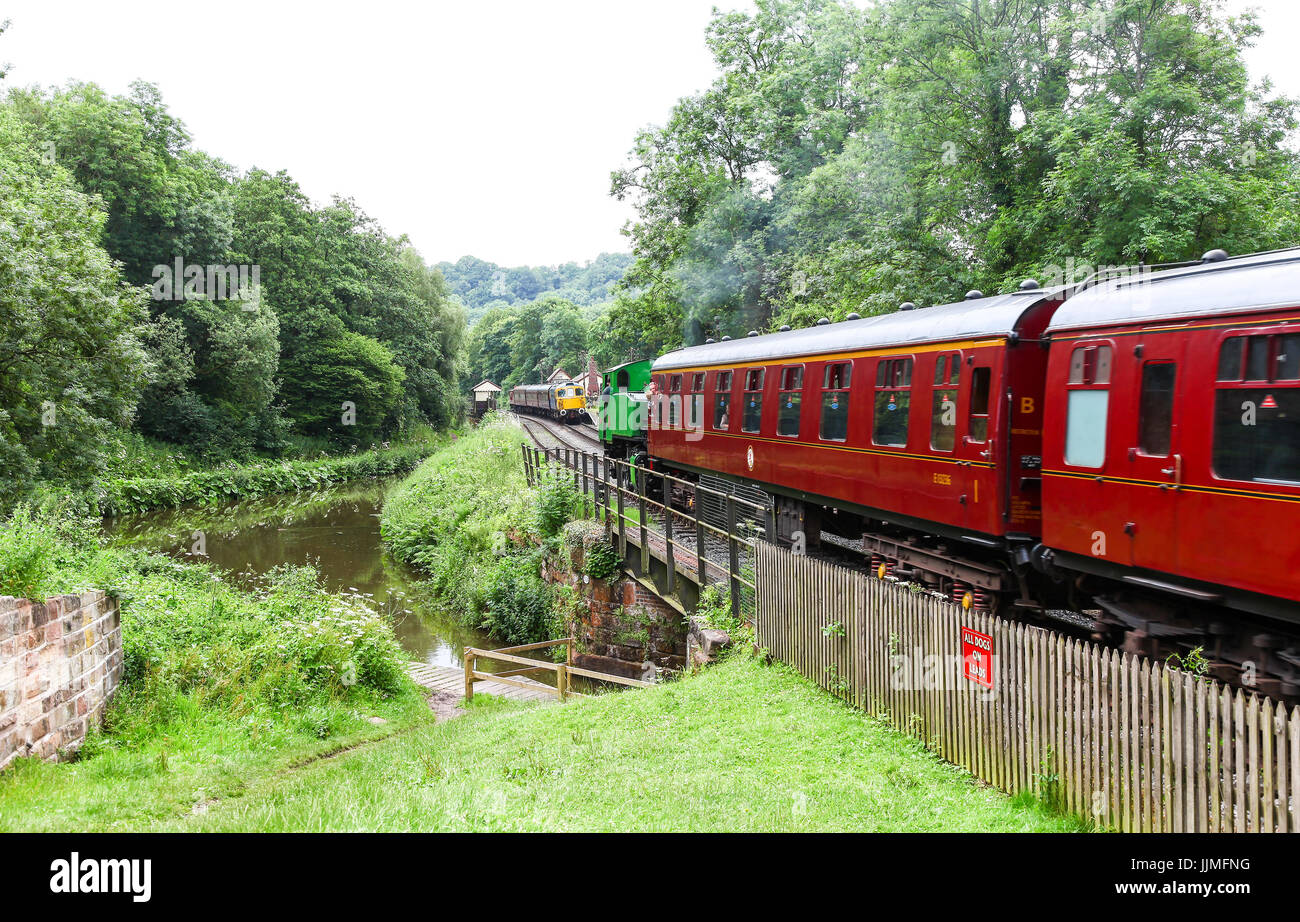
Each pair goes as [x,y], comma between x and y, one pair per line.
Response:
[60,662]
[620,626]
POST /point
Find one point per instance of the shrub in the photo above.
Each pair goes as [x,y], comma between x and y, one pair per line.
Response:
[519,605]
[461,518]
[27,555]
[259,478]
[558,504]
[197,648]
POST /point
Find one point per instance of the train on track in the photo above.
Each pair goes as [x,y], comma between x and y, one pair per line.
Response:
[565,401]
[1121,455]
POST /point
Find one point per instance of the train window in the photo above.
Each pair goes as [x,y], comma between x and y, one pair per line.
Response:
[752,416]
[695,406]
[722,399]
[1090,365]
[1230,358]
[943,407]
[834,425]
[791,399]
[1267,357]
[1156,408]
[1085,427]
[1257,358]
[893,399]
[675,384]
[1287,359]
[1257,434]
[981,379]
[1257,420]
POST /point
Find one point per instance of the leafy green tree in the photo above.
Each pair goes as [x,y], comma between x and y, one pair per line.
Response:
[345,387]
[71,365]
[847,159]
[164,200]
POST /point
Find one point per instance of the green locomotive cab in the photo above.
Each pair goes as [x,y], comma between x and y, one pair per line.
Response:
[622,410]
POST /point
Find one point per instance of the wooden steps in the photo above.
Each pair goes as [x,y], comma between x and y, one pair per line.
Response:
[452,679]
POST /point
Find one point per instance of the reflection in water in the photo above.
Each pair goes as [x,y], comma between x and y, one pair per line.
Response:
[337,531]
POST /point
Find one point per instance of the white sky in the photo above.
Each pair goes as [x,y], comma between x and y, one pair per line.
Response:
[475,127]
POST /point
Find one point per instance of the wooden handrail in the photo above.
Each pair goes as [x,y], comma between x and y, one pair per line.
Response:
[607,677]
[533,646]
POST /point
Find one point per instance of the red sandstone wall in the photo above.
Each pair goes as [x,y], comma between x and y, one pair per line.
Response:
[60,662]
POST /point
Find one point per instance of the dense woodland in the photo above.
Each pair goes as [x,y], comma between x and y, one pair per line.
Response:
[112,322]
[848,159]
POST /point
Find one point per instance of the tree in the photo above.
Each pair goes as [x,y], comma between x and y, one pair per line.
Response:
[848,159]
[345,387]
[71,365]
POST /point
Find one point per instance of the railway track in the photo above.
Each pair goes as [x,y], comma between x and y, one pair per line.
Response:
[546,433]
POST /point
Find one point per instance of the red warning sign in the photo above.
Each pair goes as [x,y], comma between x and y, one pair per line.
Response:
[1269,403]
[977,657]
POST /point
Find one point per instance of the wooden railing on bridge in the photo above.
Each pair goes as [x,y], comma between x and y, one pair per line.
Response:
[564,672]
[684,539]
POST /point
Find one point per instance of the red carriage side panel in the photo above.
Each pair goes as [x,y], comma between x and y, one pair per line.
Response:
[1172,446]
[922,431]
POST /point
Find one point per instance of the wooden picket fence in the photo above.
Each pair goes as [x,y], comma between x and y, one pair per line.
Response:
[1127,743]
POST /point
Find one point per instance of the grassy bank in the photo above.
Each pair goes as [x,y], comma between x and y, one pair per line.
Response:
[741,747]
[222,687]
[120,494]
[467,519]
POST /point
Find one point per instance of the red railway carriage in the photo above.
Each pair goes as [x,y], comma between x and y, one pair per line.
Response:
[925,418]
[1171,453]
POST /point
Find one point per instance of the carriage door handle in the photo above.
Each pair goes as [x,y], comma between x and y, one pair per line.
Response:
[1176,470]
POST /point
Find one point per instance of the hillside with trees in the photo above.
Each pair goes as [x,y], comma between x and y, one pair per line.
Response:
[482,285]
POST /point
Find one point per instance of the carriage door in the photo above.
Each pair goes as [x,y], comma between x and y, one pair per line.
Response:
[975,450]
[1153,468]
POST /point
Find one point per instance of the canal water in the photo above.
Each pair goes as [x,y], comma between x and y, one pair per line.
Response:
[336,531]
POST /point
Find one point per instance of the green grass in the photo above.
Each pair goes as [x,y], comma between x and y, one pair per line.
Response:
[259,478]
[742,747]
[196,757]
[222,686]
[467,520]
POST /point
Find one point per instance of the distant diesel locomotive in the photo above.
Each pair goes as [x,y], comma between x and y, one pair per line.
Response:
[566,401]
[1122,454]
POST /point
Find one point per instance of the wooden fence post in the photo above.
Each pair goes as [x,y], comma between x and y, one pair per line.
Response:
[469,676]
[528,474]
[640,473]
[602,468]
[562,680]
[668,536]
[620,474]
[585,484]
[733,556]
[701,562]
